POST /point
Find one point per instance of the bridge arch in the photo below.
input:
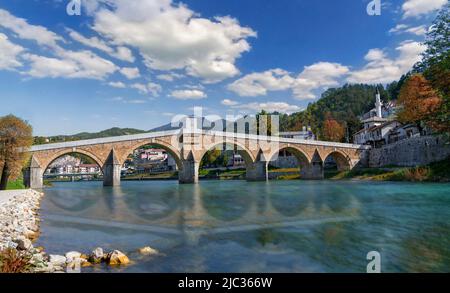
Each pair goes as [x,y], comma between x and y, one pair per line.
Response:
[342,159]
[275,159]
[299,154]
[243,151]
[65,152]
[158,144]
[238,147]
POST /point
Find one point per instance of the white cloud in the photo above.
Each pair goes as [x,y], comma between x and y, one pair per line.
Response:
[23,30]
[132,101]
[117,84]
[50,67]
[121,53]
[137,101]
[64,63]
[82,64]
[313,77]
[381,69]
[9,53]
[318,76]
[415,8]
[420,30]
[170,76]
[280,107]
[152,88]
[228,102]
[188,94]
[171,36]
[258,84]
[130,72]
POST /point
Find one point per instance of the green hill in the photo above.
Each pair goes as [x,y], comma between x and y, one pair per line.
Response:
[88,135]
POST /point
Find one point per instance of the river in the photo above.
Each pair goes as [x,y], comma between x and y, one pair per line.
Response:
[237,226]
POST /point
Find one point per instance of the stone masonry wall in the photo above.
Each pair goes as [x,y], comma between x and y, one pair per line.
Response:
[410,152]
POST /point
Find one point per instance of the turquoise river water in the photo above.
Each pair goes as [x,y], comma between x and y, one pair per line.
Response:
[236,226]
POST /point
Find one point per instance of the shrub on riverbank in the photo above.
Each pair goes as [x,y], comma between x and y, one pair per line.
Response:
[14,261]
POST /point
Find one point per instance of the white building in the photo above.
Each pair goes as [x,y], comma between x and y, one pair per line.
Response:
[374,125]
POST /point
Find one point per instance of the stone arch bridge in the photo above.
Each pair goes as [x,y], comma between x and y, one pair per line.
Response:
[188,148]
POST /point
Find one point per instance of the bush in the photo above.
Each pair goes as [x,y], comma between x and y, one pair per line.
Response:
[14,261]
[417,174]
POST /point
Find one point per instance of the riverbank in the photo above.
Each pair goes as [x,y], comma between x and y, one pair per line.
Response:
[434,172]
[19,228]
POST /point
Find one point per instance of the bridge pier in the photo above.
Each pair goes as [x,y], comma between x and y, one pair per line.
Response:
[33,175]
[313,171]
[33,178]
[111,170]
[257,171]
[189,173]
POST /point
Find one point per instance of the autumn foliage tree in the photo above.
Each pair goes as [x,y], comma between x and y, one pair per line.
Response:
[15,136]
[419,102]
[332,130]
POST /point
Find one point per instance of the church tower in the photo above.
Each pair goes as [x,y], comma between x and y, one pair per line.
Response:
[378,104]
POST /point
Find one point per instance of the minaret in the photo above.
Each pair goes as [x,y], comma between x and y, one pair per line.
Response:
[378,104]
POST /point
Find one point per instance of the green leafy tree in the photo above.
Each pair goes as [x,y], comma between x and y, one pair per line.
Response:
[435,66]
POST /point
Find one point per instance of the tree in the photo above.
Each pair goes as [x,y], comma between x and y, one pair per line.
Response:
[438,41]
[436,68]
[332,130]
[210,158]
[418,101]
[15,137]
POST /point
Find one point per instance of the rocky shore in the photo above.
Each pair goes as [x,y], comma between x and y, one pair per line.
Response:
[19,227]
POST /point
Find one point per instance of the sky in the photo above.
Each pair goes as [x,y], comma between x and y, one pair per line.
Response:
[139,63]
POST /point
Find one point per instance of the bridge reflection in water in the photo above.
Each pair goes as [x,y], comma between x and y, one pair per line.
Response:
[192,211]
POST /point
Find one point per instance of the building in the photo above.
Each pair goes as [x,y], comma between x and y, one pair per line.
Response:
[236,160]
[403,132]
[151,160]
[89,168]
[375,125]
[305,134]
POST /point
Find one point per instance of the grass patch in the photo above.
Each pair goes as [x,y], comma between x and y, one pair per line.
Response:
[222,174]
[15,184]
[289,177]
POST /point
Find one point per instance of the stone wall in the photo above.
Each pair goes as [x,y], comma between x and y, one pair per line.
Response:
[410,152]
[285,162]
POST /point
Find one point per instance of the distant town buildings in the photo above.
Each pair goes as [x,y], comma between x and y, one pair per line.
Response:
[71,165]
[146,160]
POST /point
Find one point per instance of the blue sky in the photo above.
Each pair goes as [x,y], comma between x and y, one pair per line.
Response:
[139,65]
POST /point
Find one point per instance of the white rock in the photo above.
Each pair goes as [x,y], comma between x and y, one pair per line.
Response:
[98,252]
[148,251]
[72,255]
[57,260]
